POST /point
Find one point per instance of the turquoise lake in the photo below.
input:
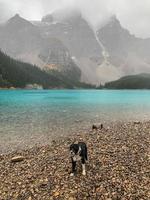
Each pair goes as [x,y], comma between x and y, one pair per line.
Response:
[28,117]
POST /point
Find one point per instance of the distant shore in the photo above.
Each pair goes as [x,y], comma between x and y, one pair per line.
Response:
[118,167]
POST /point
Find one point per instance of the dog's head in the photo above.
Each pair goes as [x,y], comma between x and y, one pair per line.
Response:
[74,148]
[75,151]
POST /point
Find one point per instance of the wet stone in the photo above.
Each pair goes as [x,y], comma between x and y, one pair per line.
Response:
[17,159]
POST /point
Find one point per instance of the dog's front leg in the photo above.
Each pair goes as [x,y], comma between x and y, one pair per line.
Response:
[83,167]
[73,167]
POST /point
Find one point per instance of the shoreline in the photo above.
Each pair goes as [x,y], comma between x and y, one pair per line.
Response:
[39,140]
[118,167]
[51,88]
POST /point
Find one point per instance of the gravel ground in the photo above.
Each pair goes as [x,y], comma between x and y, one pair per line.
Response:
[118,167]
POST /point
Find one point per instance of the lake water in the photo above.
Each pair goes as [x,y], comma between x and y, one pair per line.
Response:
[28,117]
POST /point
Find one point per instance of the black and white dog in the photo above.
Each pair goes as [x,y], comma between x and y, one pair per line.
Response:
[78,152]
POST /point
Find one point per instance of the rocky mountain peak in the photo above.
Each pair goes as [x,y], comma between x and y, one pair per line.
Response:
[114,36]
[18,22]
[17,16]
[65,16]
[113,24]
[48,18]
[114,21]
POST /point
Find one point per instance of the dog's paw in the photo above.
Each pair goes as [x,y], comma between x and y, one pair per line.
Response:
[84,173]
[72,174]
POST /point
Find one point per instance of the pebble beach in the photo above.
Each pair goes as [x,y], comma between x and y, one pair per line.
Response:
[118,167]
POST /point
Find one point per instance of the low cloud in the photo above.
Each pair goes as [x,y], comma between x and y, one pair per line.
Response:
[133,15]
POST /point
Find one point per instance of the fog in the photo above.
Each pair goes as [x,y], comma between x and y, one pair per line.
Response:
[133,15]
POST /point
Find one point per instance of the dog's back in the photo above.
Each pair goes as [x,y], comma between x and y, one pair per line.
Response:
[83,150]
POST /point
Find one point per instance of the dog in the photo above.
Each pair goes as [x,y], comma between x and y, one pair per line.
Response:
[78,152]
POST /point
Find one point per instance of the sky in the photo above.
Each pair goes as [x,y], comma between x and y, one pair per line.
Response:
[133,15]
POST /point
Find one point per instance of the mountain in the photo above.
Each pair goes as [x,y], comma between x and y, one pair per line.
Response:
[105,55]
[129,55]
[66,44]
[22,40]
[17,74]
[19,38]
[79,38]
[139,81]
[75,33]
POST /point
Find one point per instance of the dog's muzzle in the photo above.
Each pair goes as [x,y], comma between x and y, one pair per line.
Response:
[72,153]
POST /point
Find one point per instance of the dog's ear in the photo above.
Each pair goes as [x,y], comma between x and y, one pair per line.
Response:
[74,147]
[71,147]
